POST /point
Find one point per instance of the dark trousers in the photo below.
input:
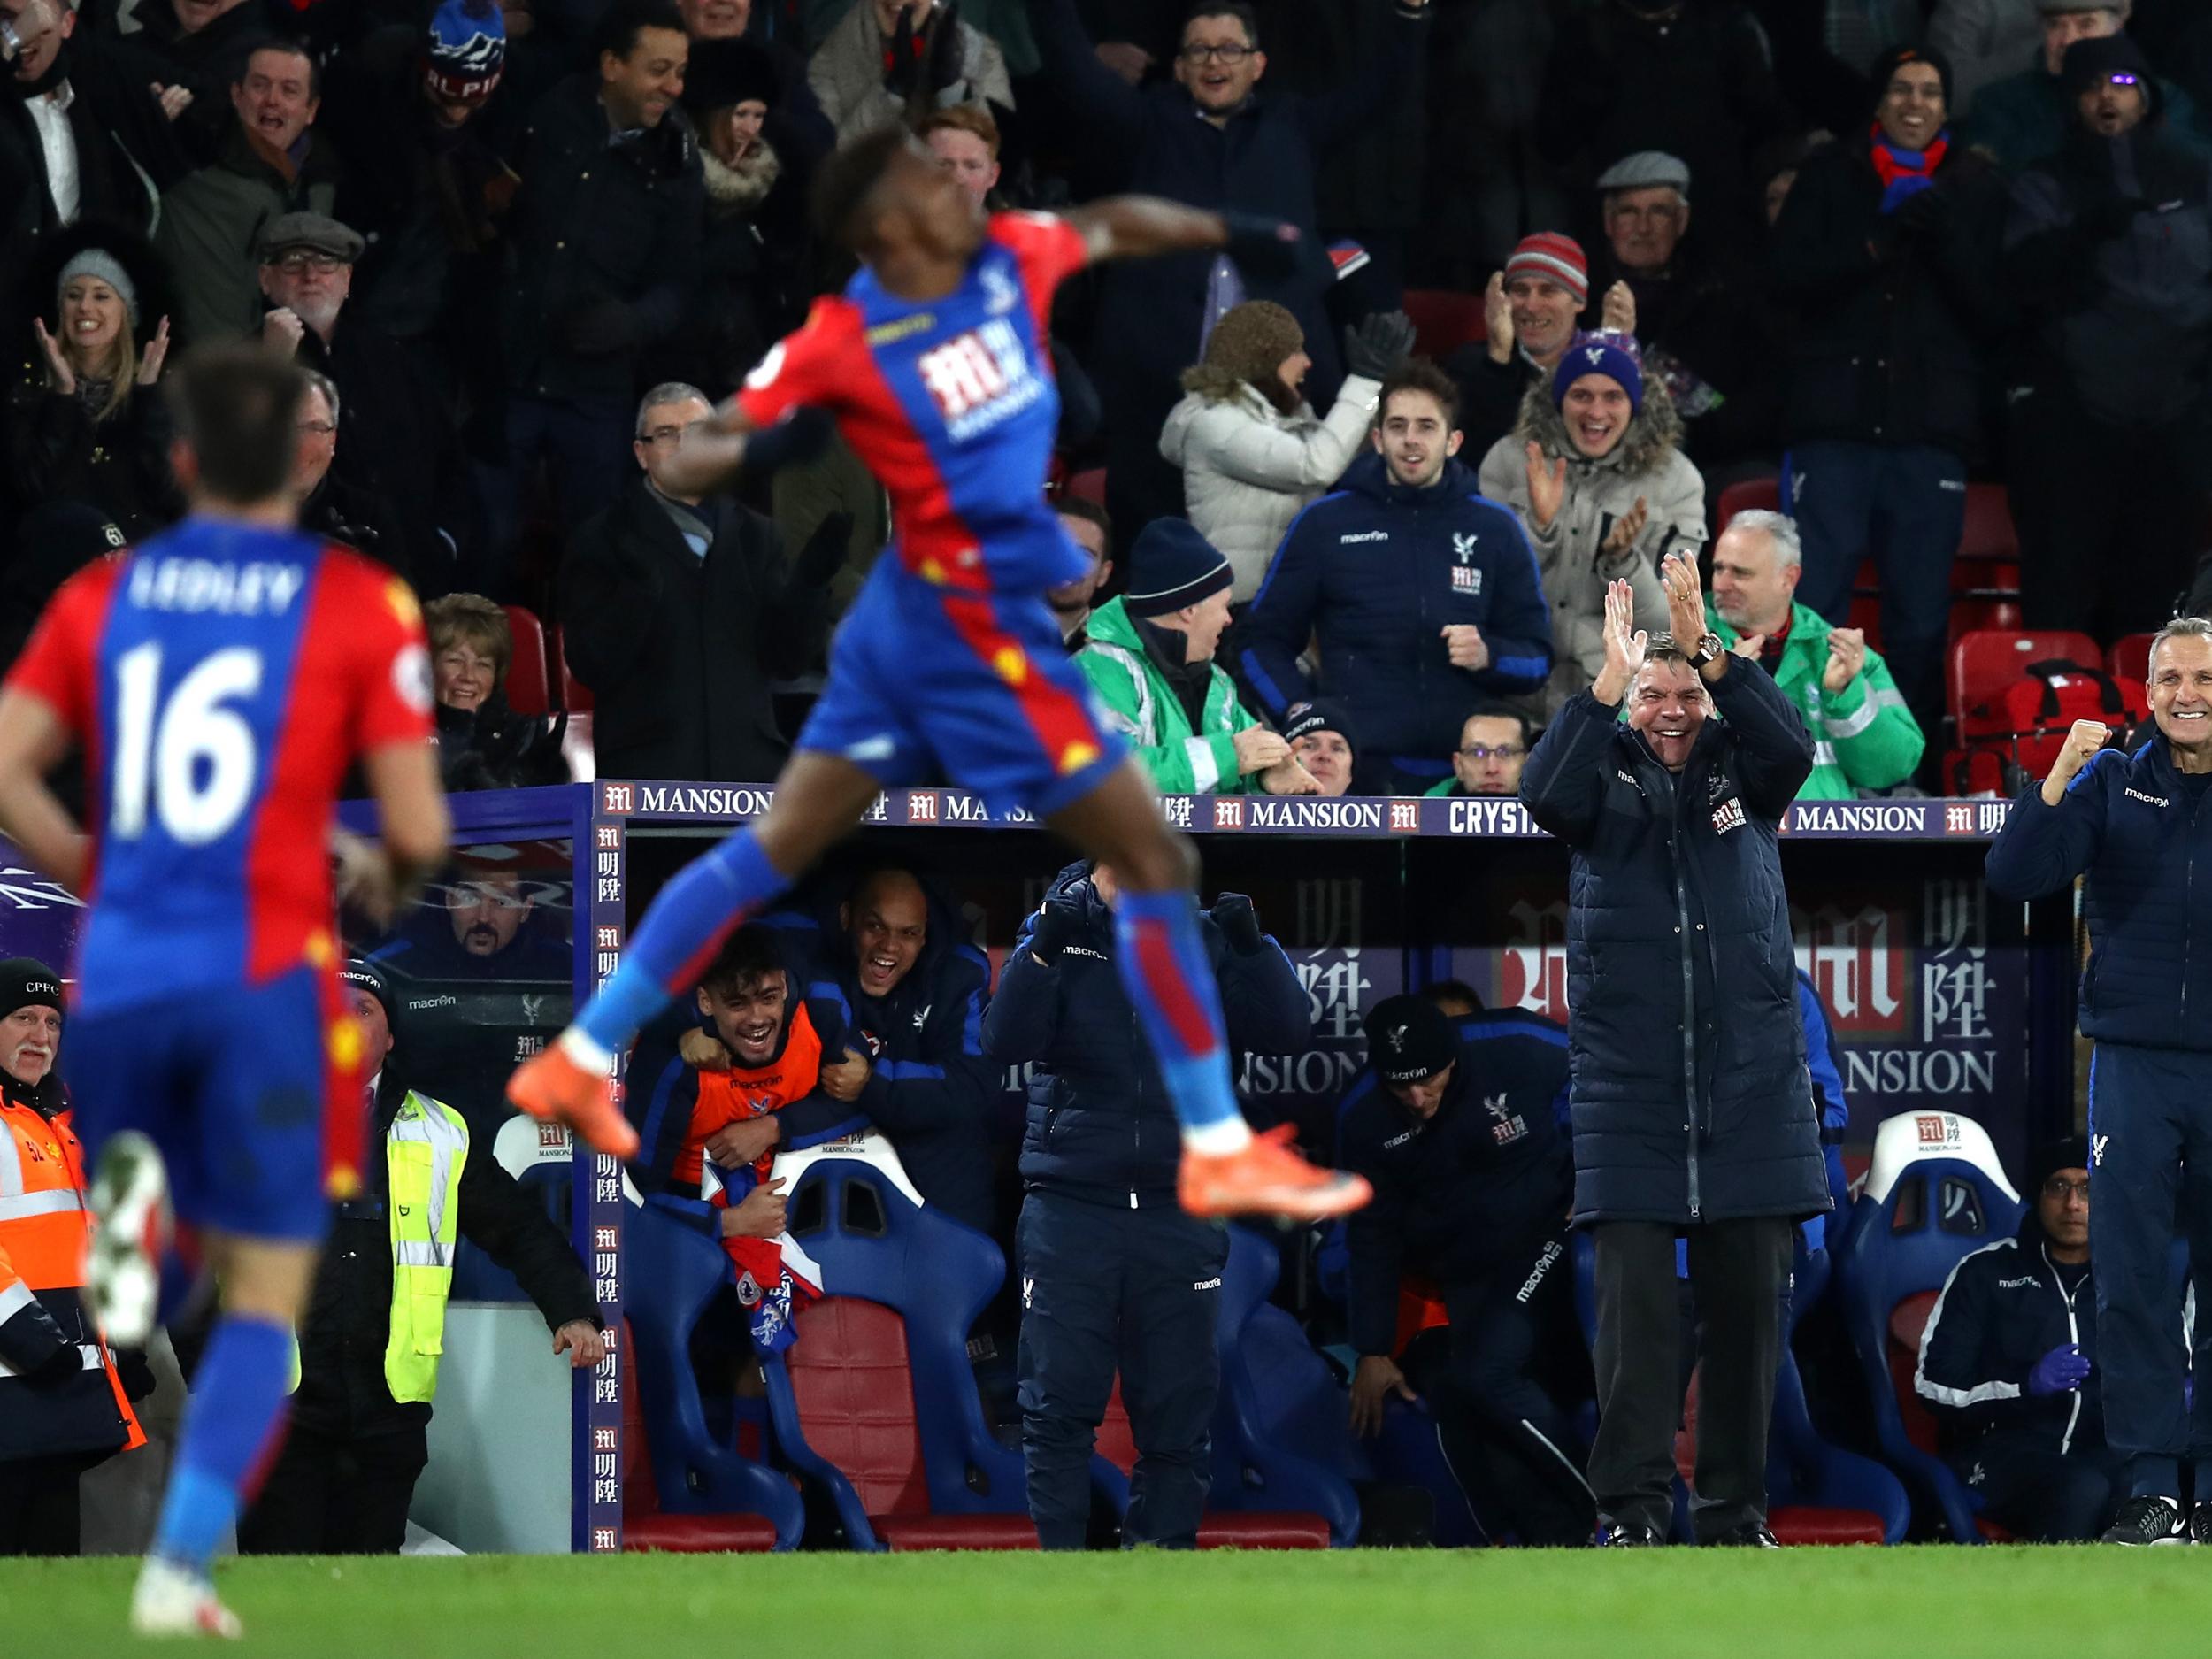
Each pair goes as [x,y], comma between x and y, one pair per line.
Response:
[1739,1273]
[1107,1289]
[38,1505]
[1512,1334]
[2037,1492]
[336,1495]
[2107,516]
[1904,507]
[585,444]
[2150,1180]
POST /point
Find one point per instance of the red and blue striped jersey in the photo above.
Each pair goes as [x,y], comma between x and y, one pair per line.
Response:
[950,403]
[221,680]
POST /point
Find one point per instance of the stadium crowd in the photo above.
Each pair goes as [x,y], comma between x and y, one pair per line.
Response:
[1878,253]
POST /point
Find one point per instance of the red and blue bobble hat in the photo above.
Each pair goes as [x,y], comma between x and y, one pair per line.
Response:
[1607,353]
[1408,1039]
[1555,258]
[466,51]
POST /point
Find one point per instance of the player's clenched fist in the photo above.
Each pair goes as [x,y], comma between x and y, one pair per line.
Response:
[2081,744]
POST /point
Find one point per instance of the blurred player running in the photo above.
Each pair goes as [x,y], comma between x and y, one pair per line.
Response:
[220,683]
[932,363]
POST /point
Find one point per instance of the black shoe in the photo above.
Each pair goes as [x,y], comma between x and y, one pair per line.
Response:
[1629,1536]
[2201,1523]
[1752,1536]
[2150,1521]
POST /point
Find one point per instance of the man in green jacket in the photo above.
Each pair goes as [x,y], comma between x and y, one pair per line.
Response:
[1150,660]
[1863,735]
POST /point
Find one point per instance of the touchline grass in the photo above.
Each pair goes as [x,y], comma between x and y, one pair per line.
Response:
[1934,1603]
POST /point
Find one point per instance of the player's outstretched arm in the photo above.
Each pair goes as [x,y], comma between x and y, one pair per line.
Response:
[709,453]
[411,817]
[33,742]
[1145,227]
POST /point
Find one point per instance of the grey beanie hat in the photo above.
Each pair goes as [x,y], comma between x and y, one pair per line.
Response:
[99,262]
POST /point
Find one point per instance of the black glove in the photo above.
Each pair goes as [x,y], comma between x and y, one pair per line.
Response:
[1058,923]
[1924,217]
[1239,923]
[136,1376]
[600,329]
[823,552]
[948,60]
[1264,248]
[1378,345]
[800,435]
[902,60]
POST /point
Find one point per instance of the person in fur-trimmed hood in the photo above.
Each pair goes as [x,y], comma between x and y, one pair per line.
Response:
[1595,470]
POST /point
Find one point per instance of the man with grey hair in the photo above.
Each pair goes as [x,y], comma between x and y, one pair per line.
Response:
[331,504]
[2133,824]
[2025,117]
[1700,322]
[1864,738]
[677,610]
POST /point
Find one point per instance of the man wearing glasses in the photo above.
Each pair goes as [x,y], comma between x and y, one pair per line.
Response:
[1216,137]
[2007,1364]
[678,611]
[1492,745]
[401,445]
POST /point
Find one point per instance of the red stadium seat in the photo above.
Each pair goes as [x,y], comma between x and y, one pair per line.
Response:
[1792,1523]
[2131,659]
[1219,1529]
[1988,533]
[1088,485]
[1986,661]
[1750,493]
[575,695]
[1444,319]
[526,672]
[645,1526]
[1979,769]
[875,1399]
[1980,613]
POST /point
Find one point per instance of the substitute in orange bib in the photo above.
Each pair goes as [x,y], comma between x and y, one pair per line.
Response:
[62,1404]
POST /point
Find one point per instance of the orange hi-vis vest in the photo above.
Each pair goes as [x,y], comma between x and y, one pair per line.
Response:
[45,1233]
[732,1096]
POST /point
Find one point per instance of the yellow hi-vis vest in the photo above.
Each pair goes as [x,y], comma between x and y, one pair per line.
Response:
[424,1152]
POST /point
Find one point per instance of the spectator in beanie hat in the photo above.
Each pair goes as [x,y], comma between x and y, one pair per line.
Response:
[2025,119]
[1322,738]
[1595,471]
[463,57]
[1253,452]
[1530,312]
[1150,656]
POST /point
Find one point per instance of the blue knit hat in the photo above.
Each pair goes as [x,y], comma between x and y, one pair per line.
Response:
[1607,353]
[1173,565]
[468,49]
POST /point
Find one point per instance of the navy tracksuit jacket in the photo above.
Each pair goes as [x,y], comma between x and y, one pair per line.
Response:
[2141,833]
[1114,1275]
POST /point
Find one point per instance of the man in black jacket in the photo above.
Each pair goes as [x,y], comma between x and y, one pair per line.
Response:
[1456,1122]
[603,249]
[1114,1275]
[342,1483]
[1215,140]
[1886,249]
[677,611]
[2007,1364]
[82,133]
[1692,1108]
[2110,242]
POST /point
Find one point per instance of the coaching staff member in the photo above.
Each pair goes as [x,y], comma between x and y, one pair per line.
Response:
[2134,824]
[1677,922]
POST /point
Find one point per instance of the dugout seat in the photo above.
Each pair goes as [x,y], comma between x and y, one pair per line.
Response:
[875,1400]
[1276,1393]
[682,1490]
[1088,485]
[1935,1194]
[526,689]
[1444,319]
[1985,662]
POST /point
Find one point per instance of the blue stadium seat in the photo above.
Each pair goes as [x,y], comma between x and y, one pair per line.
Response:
[1934,1195]
[701,1495]
[875,1400]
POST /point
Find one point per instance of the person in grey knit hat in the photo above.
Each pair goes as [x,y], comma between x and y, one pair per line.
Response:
[1252,449]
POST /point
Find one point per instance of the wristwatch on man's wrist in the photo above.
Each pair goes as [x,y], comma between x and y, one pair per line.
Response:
[1710,649]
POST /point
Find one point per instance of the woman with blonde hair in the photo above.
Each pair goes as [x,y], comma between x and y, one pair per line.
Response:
[85,423]
[1253,452]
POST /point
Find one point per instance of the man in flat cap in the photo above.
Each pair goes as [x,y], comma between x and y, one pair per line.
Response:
[400,443]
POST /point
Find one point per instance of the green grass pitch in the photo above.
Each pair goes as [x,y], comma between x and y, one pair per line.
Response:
[1936,1602]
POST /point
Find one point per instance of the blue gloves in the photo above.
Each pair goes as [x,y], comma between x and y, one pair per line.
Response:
[2059,1371]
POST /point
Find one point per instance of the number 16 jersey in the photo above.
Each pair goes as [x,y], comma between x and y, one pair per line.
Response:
[221,680]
